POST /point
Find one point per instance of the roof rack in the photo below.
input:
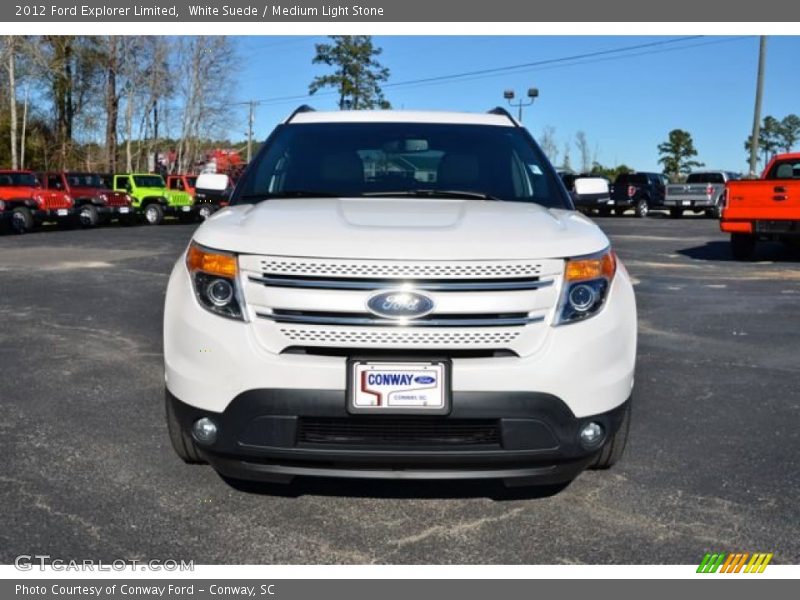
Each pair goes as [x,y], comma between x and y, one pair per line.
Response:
[499,110]
[303,108]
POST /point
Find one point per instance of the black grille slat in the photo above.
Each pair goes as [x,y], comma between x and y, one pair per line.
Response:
[398,430]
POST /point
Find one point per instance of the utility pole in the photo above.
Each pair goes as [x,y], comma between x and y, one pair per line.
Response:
[762,54]
[155,136]
[250,120]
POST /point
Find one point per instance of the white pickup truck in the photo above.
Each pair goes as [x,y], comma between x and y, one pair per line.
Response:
[400,295]
[703,191]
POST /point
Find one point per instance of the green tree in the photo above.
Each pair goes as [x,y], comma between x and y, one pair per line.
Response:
[357,76]
[610,173]
[789,132]
[677,152]
[771,138]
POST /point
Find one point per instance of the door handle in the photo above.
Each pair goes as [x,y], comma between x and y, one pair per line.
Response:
[779,189]
[780,197]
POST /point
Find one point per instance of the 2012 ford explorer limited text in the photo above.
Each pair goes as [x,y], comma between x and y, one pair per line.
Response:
[400,295]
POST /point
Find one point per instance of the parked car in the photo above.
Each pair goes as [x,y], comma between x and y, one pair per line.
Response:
[401,295]
[94,202]
[703,192]
[182,182]
[212,193]
[764,209]
[589,192]
[151,198]
[28,204]
[638,190]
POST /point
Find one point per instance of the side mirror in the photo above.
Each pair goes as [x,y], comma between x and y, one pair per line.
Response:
[591,185]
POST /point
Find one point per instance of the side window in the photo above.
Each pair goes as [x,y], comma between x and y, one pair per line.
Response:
[123,183]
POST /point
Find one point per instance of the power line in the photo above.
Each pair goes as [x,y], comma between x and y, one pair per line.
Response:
[499,70]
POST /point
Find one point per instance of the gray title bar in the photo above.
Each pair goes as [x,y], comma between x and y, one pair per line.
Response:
[731,588]
[394,10]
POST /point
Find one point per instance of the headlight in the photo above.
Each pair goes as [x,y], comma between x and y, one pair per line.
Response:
[70,201]
[587,280]
[2,205]
[102,199]
[215,280]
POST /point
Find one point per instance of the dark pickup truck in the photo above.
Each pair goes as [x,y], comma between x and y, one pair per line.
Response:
[640,191]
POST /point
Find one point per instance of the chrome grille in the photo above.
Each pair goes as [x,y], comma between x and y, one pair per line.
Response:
[368,336]
[398,270]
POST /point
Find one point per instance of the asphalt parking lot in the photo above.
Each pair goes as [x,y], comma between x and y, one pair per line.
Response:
[88,472]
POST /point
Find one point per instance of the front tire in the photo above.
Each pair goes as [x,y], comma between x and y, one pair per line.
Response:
[182,442]
[153,214]
[743,246]
[88,216]
[22,220]
[675,213]
[614,447]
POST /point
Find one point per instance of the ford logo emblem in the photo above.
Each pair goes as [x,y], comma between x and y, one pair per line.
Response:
[400,304]
[424,379]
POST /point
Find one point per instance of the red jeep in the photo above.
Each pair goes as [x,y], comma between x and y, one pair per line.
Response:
[94,202]
[182,183]
[28,204]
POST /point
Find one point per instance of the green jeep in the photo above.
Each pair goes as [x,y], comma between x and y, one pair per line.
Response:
[151,198]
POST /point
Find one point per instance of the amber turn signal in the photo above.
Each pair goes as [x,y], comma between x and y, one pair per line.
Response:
[213,263]
[604,265]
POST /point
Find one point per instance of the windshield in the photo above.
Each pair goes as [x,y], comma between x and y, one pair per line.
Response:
[627,178]
[18,179]
[705,178]
[405,159]
[148,181]
[191,181]
[89,180]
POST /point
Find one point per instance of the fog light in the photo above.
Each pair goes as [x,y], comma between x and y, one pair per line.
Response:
[220,292]
[205,431]
[592,434]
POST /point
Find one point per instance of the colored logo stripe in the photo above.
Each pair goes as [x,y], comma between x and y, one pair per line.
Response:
[734,562]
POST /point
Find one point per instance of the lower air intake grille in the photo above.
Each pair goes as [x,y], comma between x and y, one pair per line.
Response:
[399,430]
[369,337]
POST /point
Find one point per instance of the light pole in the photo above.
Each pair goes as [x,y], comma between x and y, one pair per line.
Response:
[533,93]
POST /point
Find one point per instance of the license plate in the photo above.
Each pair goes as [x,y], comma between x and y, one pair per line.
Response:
[186,208]
[124,210]
[62,212]
[687,202]
[398,387]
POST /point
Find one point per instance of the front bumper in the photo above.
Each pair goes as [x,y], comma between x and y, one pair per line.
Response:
[114,211]
[277,434]
[53,214]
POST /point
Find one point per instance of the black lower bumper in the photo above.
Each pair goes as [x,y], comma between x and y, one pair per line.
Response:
[276,434]
[41,215]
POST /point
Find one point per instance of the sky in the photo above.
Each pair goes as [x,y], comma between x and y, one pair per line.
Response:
[625,101]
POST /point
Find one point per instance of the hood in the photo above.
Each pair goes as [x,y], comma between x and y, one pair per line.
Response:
[151,191]
[401,228]
[19,191]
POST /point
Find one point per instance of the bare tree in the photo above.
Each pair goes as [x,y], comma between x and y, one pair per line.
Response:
[10,60]
[112,98]
[548,143]
[208,68]
[566,164]
[583,149]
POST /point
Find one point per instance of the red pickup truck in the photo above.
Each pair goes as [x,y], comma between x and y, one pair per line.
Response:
[764,209]
[94,202]
[27,204]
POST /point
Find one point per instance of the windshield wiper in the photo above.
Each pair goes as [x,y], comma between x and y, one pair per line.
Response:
[288,194]
[432,193]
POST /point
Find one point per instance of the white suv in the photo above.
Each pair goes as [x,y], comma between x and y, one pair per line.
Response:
[403,295]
